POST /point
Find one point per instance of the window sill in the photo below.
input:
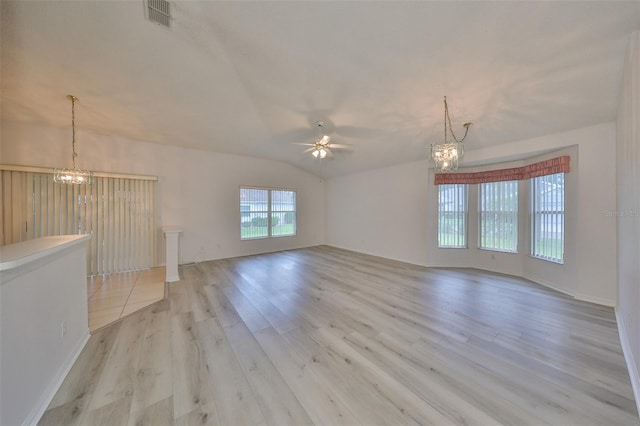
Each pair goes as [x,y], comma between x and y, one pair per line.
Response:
[557,262]
[498,251]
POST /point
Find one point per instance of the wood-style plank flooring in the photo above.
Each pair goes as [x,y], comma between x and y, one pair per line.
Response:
[328,336]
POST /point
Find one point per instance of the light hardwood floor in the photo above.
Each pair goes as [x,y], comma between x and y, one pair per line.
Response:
[327,336]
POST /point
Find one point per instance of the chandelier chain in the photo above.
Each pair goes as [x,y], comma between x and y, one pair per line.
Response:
[73,130]
[447,119]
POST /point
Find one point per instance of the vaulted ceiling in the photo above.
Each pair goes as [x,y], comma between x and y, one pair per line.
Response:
[253,78]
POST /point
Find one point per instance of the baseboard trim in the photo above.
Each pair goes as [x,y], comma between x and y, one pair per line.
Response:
[548,285]
[597,300]
[47,396]
[632,366]
[577,296]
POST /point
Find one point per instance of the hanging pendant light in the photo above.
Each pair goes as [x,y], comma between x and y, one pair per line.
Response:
[446,156]
[73,176]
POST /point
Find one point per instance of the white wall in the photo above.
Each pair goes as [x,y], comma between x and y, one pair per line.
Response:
[392,212]
[628,212]
[198,190]
[380,212]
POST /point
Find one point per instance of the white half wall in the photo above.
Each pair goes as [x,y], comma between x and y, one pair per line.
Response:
[627,212]
[197,190]
[392,212]
[43,322]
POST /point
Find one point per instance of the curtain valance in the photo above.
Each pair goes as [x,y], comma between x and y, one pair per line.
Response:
[542,168]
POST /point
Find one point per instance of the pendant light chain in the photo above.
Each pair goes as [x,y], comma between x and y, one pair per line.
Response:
[73,128]
[446,116]
[447,119]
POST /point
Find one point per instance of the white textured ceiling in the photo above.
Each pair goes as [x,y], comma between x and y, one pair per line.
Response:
[252,78]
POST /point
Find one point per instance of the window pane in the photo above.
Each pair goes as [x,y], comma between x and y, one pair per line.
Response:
[547,228]
[267,213]
[498,205]
[254,213]
[452,215]
[283,213]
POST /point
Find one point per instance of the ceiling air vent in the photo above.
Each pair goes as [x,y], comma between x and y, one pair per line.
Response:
[159,11]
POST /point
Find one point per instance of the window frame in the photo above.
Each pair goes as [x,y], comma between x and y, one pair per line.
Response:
[534,218]
[514,214]
[464,216]
[269,212]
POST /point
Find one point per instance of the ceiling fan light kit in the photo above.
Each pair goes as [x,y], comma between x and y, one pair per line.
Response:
[322,144]
[319,152]
[446,156]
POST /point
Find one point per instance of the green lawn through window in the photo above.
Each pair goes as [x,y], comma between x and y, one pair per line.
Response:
[262,231]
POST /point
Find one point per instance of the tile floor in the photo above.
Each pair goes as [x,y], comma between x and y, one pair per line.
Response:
[114,296]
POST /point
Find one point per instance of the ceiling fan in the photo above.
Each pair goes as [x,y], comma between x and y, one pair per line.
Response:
[322,146]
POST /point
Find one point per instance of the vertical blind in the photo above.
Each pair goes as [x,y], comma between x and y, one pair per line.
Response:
[118,213]
[547,240]
[452,215]
[499,215]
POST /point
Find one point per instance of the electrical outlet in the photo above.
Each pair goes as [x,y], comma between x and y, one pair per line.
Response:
[63,328]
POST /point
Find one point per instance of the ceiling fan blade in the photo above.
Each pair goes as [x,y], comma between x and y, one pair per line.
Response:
[305,144]
[357,132]
[340,146]
[310,149]
[295,134]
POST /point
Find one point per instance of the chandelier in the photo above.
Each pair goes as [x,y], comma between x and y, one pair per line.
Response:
[446,155]
[73,176]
